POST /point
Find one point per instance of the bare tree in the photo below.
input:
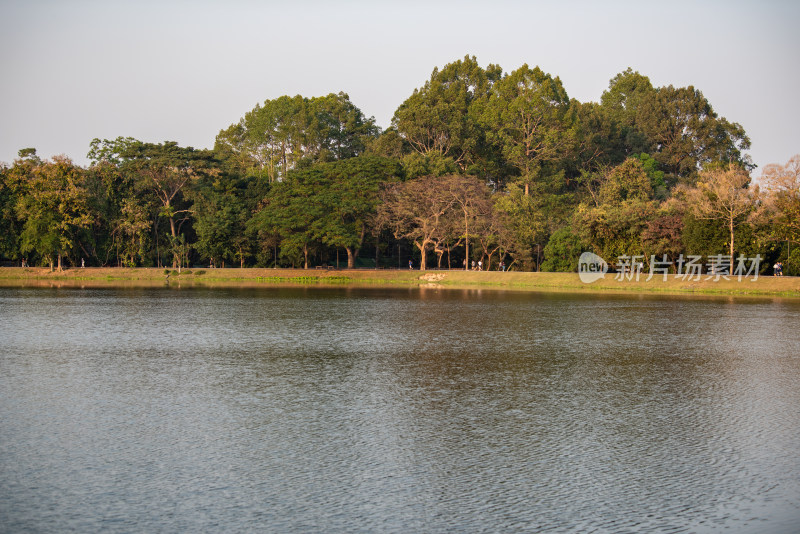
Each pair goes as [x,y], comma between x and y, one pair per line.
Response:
[782,187]
[724,194]
[416,210]
[472,198]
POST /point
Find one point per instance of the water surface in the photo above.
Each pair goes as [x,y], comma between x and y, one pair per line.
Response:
[343,410]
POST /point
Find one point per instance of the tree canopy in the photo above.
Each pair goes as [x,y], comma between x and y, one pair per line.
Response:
[479,164]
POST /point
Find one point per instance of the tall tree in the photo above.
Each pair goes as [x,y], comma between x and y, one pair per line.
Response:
[125,206]
[167,169]
[525,217]
[687,134]
[528,115]
[622,101]
[678,126]
[621,207]
[287,213]
[276,136]
[441,118]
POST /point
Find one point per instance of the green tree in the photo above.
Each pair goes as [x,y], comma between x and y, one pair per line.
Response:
[167,169]
[562,251]
[615,230]
[525,222]
[621,208]
[278,135]
[12,180]
[677,126]
[54,208]
[220,218]
[123,201]
[528,116]
[287,213]
[622,102]
[687,134]
[349,192]
[442,117]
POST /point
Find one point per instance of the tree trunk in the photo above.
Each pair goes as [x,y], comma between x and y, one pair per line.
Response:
[730,227]
[466,242]
[422,249]
[59,262]
[305,256]
[352,254]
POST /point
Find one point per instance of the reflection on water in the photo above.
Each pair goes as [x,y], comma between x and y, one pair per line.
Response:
[395,411]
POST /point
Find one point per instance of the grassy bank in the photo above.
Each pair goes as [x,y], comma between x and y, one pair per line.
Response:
[519,281]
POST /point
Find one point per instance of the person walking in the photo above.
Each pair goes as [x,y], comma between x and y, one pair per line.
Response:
[411,264]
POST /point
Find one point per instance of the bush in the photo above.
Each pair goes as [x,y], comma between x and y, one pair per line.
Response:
[562,251]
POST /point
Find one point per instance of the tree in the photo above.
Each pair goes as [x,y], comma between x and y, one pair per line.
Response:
[562,251]
[220,218]
[663,234]
[416,210]
[348,193]
[123,201]
[676,125]
[328,203]
[442,118]
[471,198]
[524,216]
[627,180]
[622,101]
[287,213]
[54,208]
[782,187]
[722,194]
[276,136]
[528,116]
[621,208]
[687,134]
[11,182]
[600,140]
[615,230]
[167,169]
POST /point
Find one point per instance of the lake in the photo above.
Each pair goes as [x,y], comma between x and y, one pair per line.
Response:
[396,410]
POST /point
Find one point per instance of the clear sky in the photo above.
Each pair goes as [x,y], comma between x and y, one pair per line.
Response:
[184,70]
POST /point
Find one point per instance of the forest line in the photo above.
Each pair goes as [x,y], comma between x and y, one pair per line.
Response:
[477,165]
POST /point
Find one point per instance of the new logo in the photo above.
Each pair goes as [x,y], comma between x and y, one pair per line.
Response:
[591,267]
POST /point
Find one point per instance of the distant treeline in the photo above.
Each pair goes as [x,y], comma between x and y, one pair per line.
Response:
[478,165]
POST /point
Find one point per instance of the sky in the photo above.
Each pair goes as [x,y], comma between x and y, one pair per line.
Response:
[182,71]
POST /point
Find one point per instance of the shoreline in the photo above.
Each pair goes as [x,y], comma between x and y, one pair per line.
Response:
[108,277]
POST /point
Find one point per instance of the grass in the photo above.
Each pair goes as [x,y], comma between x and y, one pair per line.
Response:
[517,281]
